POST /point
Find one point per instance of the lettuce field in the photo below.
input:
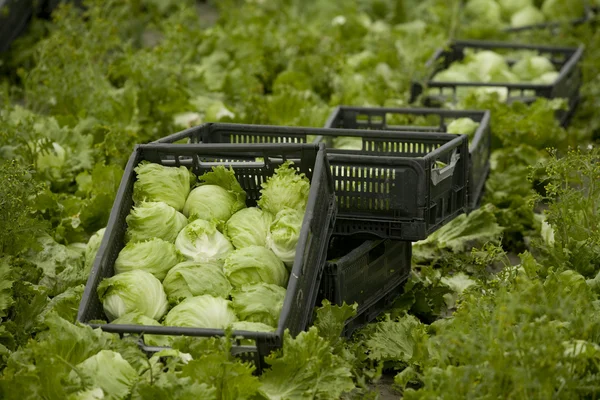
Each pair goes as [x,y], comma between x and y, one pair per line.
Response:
[502,302]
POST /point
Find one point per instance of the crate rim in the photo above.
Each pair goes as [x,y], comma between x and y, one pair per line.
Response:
[316,131]
[485,117]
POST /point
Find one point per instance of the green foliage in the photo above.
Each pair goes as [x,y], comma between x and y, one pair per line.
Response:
[79,91]
[572,195]
[20,226]
[517,340]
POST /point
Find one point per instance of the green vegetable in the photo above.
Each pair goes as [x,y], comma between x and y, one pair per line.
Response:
[461,234]
[456,73]
[190,278]
[563,9]
[53,160]
[261,302]
[155,256]
[463,126]
[77,92]
[151,220]
[307,368]
[92,248]
[204,311]
[510,7]
[532,67]
[248,227]
[254,264]
[286,188]
[252,326]
[157,183]
[547,78]
[201,241]
[91,394]
[284,233]
[529,15]
[137,318]
[486,10]
[217,198]
[108,371]
[348,143]
[131,291]
[488,66]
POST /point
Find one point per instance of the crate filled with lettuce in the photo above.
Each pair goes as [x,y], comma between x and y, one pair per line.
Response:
[510,71]
[474,124]
[209,240]
[370,273]
[520,15]
[398,185]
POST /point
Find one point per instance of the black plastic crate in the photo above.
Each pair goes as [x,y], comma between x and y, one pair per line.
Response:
[311,250]
[391,189]
[372,274]
[566,86]
[425,120]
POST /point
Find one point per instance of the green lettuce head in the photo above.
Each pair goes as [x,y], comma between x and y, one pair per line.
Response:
[217,198]
[156,182]
[133,291]
[155,256]
[137,318]
[248,227]
[251,326]
[463,126]
[151,220]
[532,67]
[286,188]
[107,370]
[547,79]
[261,302]
[204,311]
[489,66]
[284,233]
[201,241]
[190,279]
[348,143]
[510,7]
[557,10]
[530,15]
[254,264]
[485,10]
[91,250]
[90,394]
